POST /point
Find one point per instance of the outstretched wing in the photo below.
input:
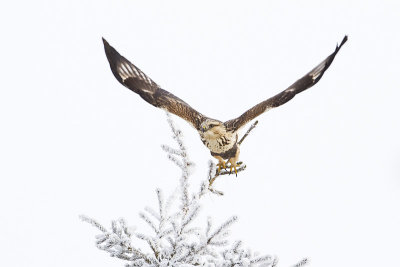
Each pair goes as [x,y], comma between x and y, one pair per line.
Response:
[133,78]
[300,85]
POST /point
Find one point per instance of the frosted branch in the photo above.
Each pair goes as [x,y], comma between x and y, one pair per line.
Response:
[148,221]
[248,132]
[301,263]
[213,175]
[93,222]
[175,239]
[222,228]
[160,198]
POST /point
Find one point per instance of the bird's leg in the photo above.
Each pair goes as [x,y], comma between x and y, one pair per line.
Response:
[233,161]
[233,165]
[221,163]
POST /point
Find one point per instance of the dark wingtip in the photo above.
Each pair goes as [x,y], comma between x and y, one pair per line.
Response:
[113,58]
[110,51]
[107,48]
[105,42]
[343,41]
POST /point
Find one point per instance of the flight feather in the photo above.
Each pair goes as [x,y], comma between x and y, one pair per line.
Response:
[134,79]
[308,80]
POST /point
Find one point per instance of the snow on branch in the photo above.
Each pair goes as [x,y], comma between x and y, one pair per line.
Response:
[175,240]
[248,131]
[301,263]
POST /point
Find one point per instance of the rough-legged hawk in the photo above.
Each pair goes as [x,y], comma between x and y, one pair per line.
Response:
[221,138]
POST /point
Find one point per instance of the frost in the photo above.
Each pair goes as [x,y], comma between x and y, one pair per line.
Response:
[175,240]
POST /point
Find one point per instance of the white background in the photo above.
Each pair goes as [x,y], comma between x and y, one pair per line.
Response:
[323,176]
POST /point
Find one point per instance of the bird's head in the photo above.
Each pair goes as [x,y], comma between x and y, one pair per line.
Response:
[210,125]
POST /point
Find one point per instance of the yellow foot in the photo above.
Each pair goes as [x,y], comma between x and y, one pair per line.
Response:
[221,165]
[234,167]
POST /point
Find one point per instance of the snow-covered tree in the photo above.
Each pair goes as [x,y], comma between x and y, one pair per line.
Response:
[176,241]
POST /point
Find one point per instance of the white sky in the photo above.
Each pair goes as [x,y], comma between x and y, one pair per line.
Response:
[323,177]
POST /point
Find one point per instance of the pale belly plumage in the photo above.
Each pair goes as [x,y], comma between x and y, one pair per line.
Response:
[218,143]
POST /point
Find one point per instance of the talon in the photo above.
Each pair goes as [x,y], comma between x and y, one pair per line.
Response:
[221,165]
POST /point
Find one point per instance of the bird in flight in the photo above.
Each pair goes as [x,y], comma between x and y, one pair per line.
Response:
[221,138]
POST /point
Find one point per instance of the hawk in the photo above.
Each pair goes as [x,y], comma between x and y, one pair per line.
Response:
[221,138]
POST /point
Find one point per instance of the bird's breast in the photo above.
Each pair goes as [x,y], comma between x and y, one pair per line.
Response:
[219,144]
